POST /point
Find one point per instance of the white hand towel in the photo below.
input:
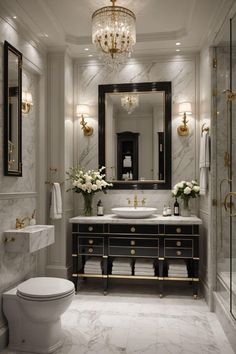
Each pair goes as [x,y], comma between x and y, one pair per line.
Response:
[204,162]
[205,150]
[56,202]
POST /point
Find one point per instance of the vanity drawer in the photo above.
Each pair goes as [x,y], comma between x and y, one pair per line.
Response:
[178,229]
[91,228]
[92,250]
[134,251]
[134,229]
[178,242]
[178,252]
[91,241]
[138,242]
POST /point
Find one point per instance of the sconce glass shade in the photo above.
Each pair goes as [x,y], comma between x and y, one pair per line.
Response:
[82,109]
[185,107]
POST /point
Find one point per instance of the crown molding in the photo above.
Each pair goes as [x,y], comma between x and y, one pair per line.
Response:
[140,38]
[21,29]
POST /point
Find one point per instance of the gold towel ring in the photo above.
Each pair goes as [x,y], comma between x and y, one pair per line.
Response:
[230,194]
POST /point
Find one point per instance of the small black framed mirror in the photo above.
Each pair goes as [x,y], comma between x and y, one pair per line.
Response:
[135,134]
[12,111]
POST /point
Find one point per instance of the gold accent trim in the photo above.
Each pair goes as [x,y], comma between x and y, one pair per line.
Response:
[131,277]
[230,194]
[74,255]
[214,63]
[75,275]
[161,259]
[84,275]
[196,258]
[104,256]
[181,279]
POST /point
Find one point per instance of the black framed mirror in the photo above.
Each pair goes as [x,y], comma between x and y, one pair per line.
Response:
[12,111]
[135,134]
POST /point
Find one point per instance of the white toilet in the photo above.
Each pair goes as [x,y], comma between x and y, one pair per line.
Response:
[33,311]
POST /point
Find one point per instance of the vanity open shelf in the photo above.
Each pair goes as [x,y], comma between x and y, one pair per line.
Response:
[170,244]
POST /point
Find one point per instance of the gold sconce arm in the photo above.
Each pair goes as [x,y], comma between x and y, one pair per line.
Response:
[88,130]
[183,128]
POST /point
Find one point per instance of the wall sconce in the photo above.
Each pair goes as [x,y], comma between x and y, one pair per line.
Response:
[184,108]
[82,111]
[27,102]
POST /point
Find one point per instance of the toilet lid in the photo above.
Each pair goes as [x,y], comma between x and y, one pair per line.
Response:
[45,287]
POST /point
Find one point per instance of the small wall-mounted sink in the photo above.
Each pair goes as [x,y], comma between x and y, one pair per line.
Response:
[133,213]
[29,239]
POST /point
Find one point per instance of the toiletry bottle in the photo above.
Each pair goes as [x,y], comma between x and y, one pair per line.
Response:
[33,220]
[176,208]
[168,211]
[130,175]
[99,208]
[164,213]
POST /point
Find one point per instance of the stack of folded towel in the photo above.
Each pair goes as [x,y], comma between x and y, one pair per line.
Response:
[122,266]
[144,267]
[177,268]
[93,265]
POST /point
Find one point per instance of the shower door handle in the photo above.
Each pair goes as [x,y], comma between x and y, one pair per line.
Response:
[230,194]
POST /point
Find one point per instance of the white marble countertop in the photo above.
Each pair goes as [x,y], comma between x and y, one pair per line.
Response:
[155,219]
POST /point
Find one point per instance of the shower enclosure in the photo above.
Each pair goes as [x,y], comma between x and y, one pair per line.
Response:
[224,120]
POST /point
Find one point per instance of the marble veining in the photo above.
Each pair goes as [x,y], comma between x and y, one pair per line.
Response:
[142,323]
[155,219]
[29,239]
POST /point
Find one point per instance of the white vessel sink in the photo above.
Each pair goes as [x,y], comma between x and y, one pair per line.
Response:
[133,213]
[29,239]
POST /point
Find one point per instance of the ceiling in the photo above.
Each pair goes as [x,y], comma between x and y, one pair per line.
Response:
[159,23]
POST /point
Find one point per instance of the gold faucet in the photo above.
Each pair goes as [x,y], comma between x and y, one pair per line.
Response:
[20,223]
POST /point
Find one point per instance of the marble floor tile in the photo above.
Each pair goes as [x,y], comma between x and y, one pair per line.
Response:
[137,321]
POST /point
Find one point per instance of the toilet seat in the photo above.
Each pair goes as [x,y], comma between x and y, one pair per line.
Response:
[45,289]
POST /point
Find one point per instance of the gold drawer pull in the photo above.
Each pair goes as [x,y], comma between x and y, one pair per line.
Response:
[90,250]
[178,230]
[132,243]
[178,243]
[178,253]
[90,242]
[132,229]
[132,252]
[90,228]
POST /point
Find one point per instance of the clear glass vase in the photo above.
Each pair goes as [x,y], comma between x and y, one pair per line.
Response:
[185,210]
[88,204]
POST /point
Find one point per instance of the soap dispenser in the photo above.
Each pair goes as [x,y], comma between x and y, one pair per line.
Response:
[99,208]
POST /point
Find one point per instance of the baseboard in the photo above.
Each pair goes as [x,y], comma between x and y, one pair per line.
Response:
[3,336]
[226,320]
[207,294]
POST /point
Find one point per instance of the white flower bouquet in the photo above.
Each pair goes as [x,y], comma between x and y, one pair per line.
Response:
[186,190]
[88,182]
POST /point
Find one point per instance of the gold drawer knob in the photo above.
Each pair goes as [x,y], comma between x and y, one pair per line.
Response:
[178,243]
[90,250]
[178,253]
[132,252]
[90,242]
[132,243]
[178,230]
[132,229]
[90,228]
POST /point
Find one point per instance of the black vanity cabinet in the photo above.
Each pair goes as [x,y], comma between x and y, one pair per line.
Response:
[159,242]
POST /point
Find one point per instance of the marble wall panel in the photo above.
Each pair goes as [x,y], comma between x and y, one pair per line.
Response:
[182,73]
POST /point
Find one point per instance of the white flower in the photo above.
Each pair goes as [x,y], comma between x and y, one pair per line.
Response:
[174,191]
[84,187]
[180,184]
[194,182]
[189,184]
[196,189]
[187,190]
[94,187]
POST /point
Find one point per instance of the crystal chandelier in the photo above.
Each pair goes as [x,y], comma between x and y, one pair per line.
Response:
[114,33]
[130,102]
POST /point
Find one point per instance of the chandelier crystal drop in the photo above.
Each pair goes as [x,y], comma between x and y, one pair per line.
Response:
[114,33]
[130,102]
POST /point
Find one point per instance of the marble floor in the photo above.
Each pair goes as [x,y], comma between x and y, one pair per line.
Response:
[133,319]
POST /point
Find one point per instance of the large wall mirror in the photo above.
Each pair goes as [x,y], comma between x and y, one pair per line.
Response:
[135,134]
[12,111]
